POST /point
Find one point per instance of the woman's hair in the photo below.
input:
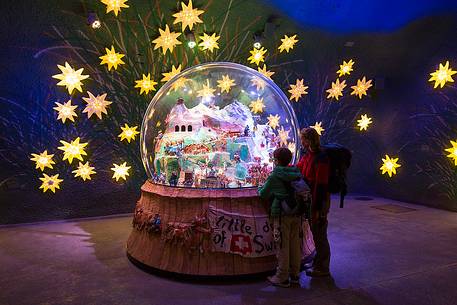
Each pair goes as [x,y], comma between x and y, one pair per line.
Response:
[283,155]
[312,136]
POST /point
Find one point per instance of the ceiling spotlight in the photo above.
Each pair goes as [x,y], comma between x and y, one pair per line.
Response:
[93,21]
[191,40]
[258,37]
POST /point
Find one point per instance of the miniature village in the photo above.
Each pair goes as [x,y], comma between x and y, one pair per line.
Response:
[209,147]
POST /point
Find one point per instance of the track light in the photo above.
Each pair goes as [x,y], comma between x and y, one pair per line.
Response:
[93,21]
[190,37]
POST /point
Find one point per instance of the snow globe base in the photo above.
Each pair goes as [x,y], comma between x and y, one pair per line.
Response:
[204,232]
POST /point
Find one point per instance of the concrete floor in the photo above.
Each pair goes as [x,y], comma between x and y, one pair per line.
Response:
[379,257]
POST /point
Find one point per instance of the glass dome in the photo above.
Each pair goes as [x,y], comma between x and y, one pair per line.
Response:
[216,125]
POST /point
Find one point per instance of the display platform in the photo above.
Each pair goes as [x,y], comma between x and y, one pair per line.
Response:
[206,232]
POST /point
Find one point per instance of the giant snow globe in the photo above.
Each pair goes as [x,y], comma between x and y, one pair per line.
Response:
[216,125]
[207,141]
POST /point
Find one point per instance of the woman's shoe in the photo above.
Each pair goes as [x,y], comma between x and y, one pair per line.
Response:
[317,273]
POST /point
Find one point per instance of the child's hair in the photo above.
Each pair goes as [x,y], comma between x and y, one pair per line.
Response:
[283,155]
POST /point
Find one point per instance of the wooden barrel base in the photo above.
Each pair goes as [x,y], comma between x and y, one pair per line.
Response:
[183,242]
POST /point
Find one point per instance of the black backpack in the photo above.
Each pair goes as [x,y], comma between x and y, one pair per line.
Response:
[340,161]
[299,200]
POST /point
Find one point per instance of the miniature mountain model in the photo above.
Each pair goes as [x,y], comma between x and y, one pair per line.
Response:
[210,147]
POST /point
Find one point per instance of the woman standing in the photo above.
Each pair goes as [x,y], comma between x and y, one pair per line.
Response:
[315,166]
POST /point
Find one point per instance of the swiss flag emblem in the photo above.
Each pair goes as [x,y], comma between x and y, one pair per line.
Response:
[240,244]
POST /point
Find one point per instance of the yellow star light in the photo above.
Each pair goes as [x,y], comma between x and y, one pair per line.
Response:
[73,150]
[361,88]
[167,40]
[287,43]
[114,5]
[66,111]
[364,122]
[318,127]
[453,152]
[283,136]
[70,78]
[96,104]
[179,83]
[209,42]
[225,83]
[188,16]
[84,171]
[345,68]
[337,89]
[389,166]
[291,146]
[111,58]
[273,121]
[297,90]
[257,106]
[43,160]
[50,183]
[206,91]
[128,133]
[169,75]
[258,83]
[265,72]
[442,75]
[120,171]
[257,55]
[146,84]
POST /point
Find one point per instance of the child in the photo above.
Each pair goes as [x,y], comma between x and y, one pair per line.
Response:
[286,227]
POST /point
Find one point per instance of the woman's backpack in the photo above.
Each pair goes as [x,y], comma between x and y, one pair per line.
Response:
[340,161]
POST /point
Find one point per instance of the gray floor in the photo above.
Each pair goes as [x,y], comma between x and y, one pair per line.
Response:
[380,256]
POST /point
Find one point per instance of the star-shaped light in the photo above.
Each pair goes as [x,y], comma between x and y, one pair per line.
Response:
[120,171]
[337,89]
[225,83]
[453,152]
[257,105]
[442,75]
[111,58]
[73,150]
[257,55]
[96,104]
[273,121]
[114,5]
[206,91]
[364,122]
[66,111]
[389,166]
[128,133]
[167,40]
[318,127]
[265,72]
[146,84]
[209,42]
[50,183]
[283,136]
[287,43]
[43,160]
[297,90]
[258,83]
[169,75]
[361,88]
[179,83]
[188,16]
[345,68]
[291,146]
[70,78]
[84,171]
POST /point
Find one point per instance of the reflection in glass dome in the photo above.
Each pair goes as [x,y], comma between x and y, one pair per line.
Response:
[216,125]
